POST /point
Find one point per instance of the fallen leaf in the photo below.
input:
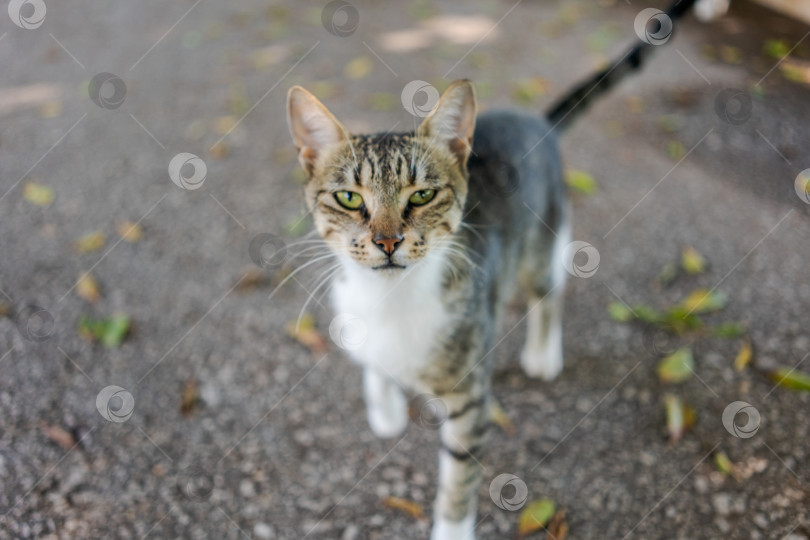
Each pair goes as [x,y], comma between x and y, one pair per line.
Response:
[501,419]
[647,314]
[109,331]
[129,231]
[675,149]
[730,55]
[224,124]
[725,466]
[38,194]
[744,356]
[580,181]
[703,301]
[359,68]
[91,242]
[677,367]
[795,71]
[535,516]
[680,320]
[692,262]
[305,333]
[789,378]
[50,109]
[776,48]
[558,527]
[5,309]
[620,312]
[527,91]
[667,274]
[728,330]
[679,417]
[413,509]
[87,288]
[219,151]
[189,397]
[252,278]
[670,123]
[59,435]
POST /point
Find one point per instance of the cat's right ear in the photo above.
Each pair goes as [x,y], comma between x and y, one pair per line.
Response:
[313,128]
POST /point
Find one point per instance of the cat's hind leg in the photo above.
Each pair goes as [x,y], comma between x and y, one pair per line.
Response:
[386,406]
[542,354]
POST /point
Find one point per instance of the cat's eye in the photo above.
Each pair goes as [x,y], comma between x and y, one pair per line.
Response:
[349,199]
[421,197]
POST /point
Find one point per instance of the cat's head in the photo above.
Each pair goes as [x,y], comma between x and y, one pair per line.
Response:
[385,201]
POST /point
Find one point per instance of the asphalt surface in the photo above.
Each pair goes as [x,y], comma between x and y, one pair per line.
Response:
[276,445]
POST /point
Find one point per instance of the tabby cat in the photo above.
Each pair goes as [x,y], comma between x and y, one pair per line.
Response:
[435,231]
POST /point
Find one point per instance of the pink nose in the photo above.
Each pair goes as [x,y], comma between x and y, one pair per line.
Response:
[388,245]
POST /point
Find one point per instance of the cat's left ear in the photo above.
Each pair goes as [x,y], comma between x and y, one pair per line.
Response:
[313,128]
[452,120]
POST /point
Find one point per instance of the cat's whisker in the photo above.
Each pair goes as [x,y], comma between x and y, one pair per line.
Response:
[297,270]
[324,279]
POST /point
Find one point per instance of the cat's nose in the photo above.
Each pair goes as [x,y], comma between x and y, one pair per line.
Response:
[388,245]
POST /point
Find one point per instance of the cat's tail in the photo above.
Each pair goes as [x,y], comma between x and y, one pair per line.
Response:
[569,107]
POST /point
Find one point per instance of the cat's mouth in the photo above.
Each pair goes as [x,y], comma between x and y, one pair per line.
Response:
[390,265]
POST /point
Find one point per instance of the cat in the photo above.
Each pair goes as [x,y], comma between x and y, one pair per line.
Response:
[434,231]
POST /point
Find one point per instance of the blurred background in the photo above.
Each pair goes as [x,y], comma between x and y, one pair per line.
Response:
[152,387]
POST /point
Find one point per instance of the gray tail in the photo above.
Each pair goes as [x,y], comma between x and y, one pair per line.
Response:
[567,109]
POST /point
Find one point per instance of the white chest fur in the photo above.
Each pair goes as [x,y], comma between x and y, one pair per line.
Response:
[400,316]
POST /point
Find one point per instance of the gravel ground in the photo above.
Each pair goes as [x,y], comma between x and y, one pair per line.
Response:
[277,446]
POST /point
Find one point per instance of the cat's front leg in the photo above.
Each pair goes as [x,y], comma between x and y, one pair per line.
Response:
[463,441]
[386,406]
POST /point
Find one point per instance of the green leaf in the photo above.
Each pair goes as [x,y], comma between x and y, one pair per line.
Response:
[675,149]
[795,380]
[667,274]
[580,181]
[724,464]
[620,312]
[535,516]
[776,48]
[692,262]
[677,367]
[703,301]
[680,320]
[109,331]
[728,330]
[647,314]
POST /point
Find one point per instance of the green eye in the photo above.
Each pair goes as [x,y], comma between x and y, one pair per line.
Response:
[349,199]
[422,197]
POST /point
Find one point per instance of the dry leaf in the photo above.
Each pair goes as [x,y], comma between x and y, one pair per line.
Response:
[789,378]
[413,509]
[38,194]
[305,333]
[680,417]
[190,397]
[535,516]
[87,288]
[129,231]
[252,278]
[59,435]
[91,242]
[744,356]
[558,527]
[219,151]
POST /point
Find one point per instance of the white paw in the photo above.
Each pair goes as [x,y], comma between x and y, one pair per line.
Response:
[454,530]
[544,364]
[390,418]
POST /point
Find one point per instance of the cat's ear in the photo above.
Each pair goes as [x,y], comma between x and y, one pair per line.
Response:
[452,120]
[313,128]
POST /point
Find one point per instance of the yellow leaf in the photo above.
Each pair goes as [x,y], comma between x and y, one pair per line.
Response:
[691,261]
[790,378]
[359,68]
[535,516]
[501,419]
[677,367]
[190,397]
[91,242]
[305,333]
[38,194]
[219,151]
[129,231]
[413,509]
[744,356]
[224,124]
[580,181]
[50,109]
[87,288]
[703,301]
